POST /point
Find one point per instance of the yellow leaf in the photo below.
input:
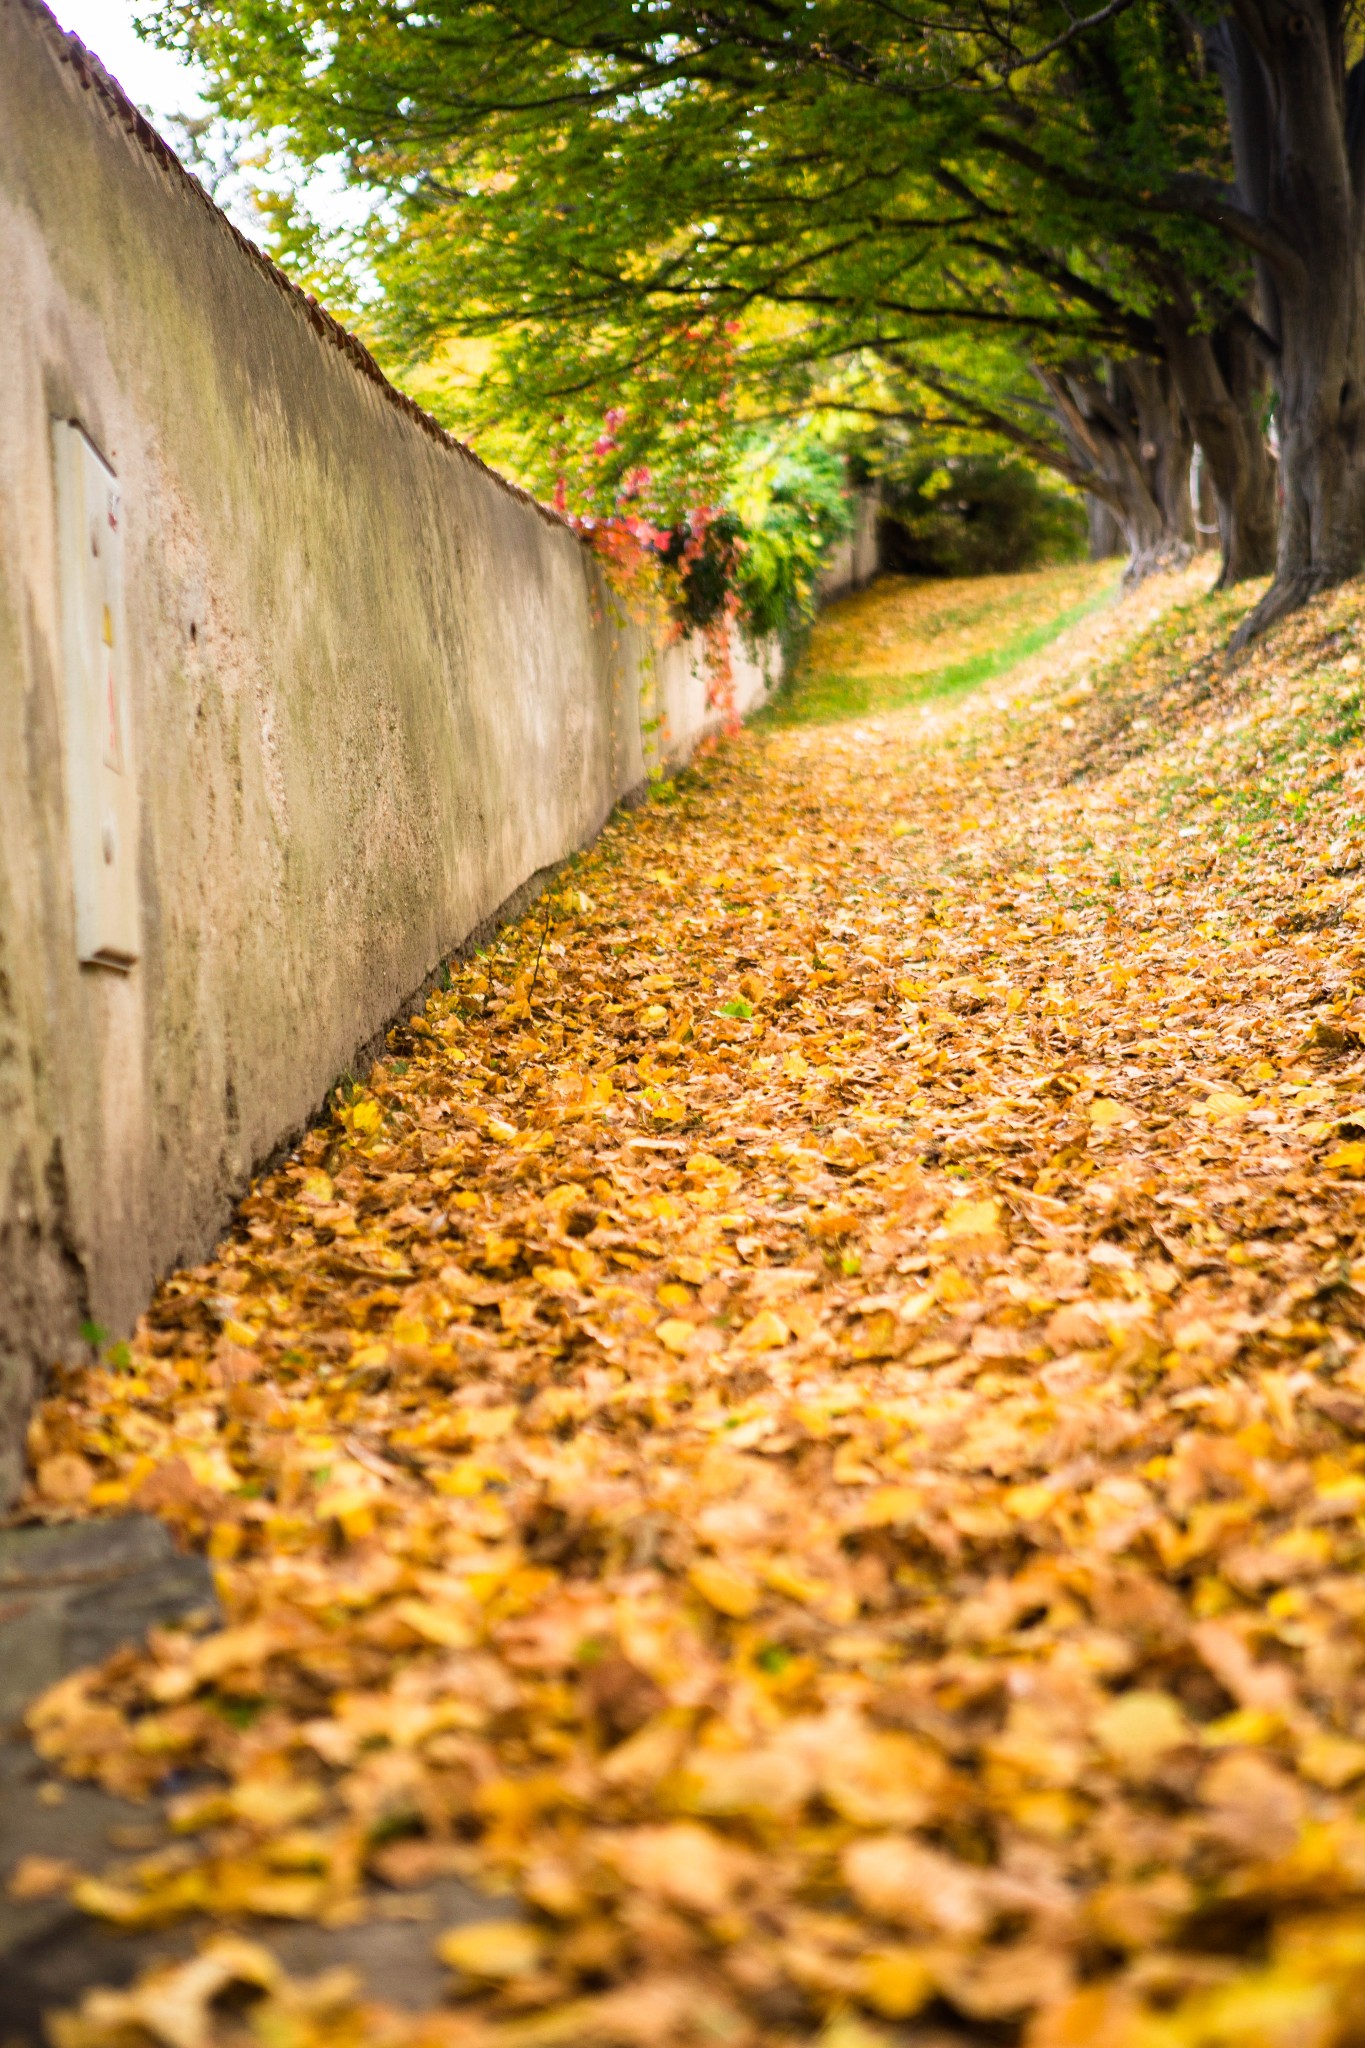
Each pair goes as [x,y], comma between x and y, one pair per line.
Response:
[488,1425]
[133,1910]
[275,1801]
[729,1592]
[468,1478]
[116,1903]
[648,1755]
[1139,1728]
[1103,2016]
[552,1884]
[915,1307]
[1225,1106]
[875,1336]
[493,1949]
[1030,1503]
[851,2030]
[970,1219]
[1105,1113]
[171,2006]
[885,1506]
[900,1879]
[272,1897]
[765,1331]
[883,1779]
[689,1865]
[443,1626]
[351,1508]
[1332,1760]
[896,1982]
[787,1578]
[232,1649]
[676,1335]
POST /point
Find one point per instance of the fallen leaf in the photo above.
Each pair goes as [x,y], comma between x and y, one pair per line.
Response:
[40,1877]
[728,1591]
[493,1949]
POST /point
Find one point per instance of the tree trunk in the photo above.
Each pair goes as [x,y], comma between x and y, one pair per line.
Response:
[1299,150]
[1165,446]
[1322,455]
[1132,447]
[1102,529]
[1222,389]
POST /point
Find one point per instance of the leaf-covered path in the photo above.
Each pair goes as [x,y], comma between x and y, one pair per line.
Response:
[808,1422]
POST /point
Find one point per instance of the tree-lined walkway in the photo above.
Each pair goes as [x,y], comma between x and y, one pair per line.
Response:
[805,1424]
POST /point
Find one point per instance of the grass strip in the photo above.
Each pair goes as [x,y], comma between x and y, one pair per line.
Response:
[831,697]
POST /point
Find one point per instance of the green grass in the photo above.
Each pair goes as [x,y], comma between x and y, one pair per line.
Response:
[817,695]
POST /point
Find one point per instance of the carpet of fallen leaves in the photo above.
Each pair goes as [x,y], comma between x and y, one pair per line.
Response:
[808,1420]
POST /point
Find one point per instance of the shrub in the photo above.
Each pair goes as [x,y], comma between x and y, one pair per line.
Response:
[976,515]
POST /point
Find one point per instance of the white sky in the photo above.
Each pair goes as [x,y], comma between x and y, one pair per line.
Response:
[163,86]
[158,82]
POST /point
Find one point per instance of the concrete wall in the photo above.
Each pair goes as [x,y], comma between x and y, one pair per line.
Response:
[373,690]
[676,693]
[854,561]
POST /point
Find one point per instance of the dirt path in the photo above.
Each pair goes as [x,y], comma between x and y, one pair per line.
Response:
[807,1421]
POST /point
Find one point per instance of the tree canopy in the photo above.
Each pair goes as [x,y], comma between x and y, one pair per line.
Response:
[1056,230]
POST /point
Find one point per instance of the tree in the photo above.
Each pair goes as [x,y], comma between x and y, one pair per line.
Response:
[588,181]
[1294,84]
[1116,118]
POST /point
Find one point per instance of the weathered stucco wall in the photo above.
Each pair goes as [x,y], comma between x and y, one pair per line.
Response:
[853,561]
[676,692]
[373,690]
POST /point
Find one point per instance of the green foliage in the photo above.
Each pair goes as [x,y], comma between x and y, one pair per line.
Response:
[965,515]
[791,498]
[695,216]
